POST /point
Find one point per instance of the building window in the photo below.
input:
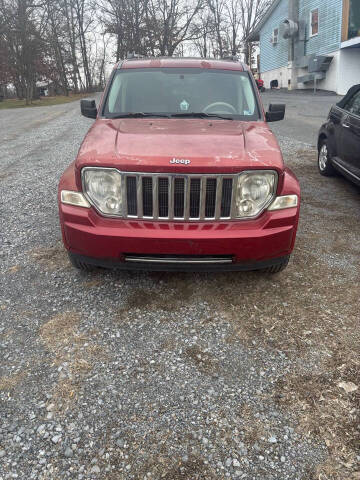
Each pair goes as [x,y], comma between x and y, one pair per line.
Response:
[314,22]
[351,20]
[275,36]
[353,105]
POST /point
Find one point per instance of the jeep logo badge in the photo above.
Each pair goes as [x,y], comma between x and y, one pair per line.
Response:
[182,161]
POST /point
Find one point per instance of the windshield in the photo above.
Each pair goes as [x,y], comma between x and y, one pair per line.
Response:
[184,91]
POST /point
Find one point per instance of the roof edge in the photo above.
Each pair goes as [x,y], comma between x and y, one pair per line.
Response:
[254,36]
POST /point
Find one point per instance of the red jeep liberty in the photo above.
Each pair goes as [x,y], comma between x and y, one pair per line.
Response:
[180,171]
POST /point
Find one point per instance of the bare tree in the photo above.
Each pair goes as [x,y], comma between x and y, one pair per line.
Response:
[22,32]
[234,25]
[55,35]
[205,33]
[251,12]
[126,20]
[170,22]
[84,21]
[69,42]
[217,10]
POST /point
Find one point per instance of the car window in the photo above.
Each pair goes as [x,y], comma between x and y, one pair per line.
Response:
[177,90]
[353,105]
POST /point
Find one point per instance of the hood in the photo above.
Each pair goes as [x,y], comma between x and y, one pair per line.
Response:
[148,145]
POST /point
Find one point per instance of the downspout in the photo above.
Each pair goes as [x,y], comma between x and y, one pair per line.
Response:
[294,16]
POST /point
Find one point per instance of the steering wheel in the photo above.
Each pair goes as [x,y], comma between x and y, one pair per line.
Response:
[228,108]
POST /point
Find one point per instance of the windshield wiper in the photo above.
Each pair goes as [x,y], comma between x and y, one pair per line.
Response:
[169,115]
[139,115]
[200,115]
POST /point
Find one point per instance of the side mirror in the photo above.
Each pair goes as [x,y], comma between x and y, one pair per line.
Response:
[88,108]
[276,112]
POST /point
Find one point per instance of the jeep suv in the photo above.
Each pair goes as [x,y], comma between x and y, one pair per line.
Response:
[179,171]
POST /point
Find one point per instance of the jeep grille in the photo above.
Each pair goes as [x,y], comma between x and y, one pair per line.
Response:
[177,197]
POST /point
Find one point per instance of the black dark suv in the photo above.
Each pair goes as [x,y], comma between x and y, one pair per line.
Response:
[339,138]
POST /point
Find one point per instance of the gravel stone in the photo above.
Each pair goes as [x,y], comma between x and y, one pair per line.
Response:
[68,452]
[56,438]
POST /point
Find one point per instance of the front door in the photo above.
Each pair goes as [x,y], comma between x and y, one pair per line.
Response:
[350,141]
[336,116]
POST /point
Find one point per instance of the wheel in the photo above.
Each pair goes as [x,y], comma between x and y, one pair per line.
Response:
[324,162]
[278,267]
[77,263]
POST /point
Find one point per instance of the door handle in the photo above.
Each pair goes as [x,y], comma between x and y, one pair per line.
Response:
[344,121]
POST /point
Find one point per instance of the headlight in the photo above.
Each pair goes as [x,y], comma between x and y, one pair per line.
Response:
[255,190]
[102,187]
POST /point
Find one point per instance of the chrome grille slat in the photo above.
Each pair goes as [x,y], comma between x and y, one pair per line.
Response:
[187,199]
[178,196]
[155,198]
[171,197]
[139,194]
[203,183]
[219,186]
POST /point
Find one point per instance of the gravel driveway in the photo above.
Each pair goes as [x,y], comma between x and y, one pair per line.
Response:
[174,376]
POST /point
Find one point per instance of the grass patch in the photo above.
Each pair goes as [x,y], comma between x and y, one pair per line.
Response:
[52,258]
[72,348]
[327,412]
[204,361]
[61,332]
[42,102]
[8,383]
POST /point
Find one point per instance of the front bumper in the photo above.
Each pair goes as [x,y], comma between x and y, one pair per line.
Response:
[250,244]
[111,241]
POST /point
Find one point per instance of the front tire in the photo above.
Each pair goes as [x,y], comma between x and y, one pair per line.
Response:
[324,160]
[278,267]
[84,267]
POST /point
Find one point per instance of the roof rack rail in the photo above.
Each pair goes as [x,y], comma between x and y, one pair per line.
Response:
[131,55]
[231,58]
